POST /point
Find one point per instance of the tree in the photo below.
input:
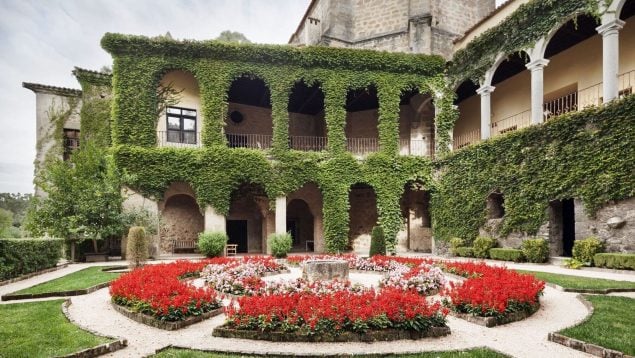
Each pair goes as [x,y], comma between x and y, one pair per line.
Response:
[6,219]
[17,204]
[232,36]
[83,198]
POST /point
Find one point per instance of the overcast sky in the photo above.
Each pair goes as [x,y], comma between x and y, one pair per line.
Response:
[42,40]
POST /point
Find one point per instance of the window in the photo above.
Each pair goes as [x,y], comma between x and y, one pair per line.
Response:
[71,142]
[181,125]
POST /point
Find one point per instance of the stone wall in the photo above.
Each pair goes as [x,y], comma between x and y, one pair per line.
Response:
[362,218]
[311,194]
[182,219]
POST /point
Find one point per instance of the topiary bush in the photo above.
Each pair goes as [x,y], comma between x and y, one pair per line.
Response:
[137,248]
[615,261]
[482,245]
[212,244]
[504,254]
[377,242]
[464,251]
[455,243]
[584,250]
[280,244]
[22,256]
[536,250]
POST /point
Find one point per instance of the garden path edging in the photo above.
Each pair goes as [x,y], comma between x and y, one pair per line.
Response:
[495,321]
[32,274]
[604,291]
[117,344]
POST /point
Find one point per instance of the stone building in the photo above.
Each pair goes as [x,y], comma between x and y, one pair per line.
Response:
[273,141]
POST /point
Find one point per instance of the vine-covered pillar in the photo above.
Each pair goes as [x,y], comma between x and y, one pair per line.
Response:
[280,115]
[388,123]
[214,81]
[281,215]
[537,69]
[610,30]
[485,92]
[335,114]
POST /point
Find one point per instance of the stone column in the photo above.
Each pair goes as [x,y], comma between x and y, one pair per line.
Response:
[537,68]
[486,109]
[213,220]
[610,57]
[281,215]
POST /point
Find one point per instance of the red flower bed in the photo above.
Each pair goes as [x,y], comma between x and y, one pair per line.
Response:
[492,291]
[157,290]
[342,311]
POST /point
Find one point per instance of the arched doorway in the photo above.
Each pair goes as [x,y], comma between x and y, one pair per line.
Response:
[362,216]
[182,221]
[362,119]
[511,101]
[247,219]
[307,126]
[300,225]
[249,123]
[416,123]
[467,129]
[415,209]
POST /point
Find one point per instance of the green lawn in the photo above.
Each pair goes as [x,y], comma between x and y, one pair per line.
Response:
[612,324]
[577,282]
[472,353]
[81,279]
[40,329]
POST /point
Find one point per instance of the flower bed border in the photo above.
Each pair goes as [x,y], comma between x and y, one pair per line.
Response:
[603,291]
[105,348]
[370,336]
[495,321]
[83,291]
[165,325]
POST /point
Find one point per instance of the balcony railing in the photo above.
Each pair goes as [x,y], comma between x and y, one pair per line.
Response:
[308,143]
[465,139]
[255,141]
[558,106]
[416,147]
[178,139]
[362,146]
[512,123]
[625,83]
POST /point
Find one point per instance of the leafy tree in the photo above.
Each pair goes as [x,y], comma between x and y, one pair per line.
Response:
[232,36]
[6,219]
[17,204]
[83,198]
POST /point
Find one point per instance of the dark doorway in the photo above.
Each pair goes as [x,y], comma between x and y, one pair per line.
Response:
[292,228]
[237,232]
[568,226]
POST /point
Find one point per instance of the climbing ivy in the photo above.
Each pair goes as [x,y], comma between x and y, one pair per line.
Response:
[586,155]
[96,104]
[519,31]
[215,170]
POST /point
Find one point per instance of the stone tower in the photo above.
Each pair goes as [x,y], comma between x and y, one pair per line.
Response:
[417,26]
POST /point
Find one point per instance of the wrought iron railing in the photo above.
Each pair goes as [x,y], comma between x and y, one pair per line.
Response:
[308,143]
[464,139]
[512,123]
[179,139]
[362,146]
[561,105]
[625,83]
[255,141]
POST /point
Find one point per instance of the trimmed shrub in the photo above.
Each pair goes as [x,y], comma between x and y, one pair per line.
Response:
[455,243]
[22,256]
[482,245]
[212,244]
[280,244]
[584,250]
[464,251]
[137,248]
[377,242]
[507,254]
[536,250]
[615,261]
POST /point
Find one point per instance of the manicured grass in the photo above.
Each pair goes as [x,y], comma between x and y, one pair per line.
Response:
[79,280]
[612,324]
[40,329]
[472,353]
[577,282]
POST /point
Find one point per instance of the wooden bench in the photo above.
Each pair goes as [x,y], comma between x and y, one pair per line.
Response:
[231,249]
[181,244]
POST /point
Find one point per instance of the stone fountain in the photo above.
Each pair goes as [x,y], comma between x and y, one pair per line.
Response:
[320,270]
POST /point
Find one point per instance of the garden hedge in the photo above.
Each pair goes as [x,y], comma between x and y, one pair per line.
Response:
[615,261]
[507,254]
[23,256]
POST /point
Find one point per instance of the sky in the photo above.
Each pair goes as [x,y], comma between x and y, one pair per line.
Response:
[42,41]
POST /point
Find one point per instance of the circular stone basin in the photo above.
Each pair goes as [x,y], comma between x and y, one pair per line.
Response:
[320,270]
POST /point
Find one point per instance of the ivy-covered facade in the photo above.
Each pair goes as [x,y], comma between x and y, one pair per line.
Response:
[327,142]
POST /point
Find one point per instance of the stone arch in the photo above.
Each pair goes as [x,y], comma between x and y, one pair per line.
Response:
[363,216]
[180,120]
[624,9]
[416,122]
[180,215]
[307,123]
[467,128]
[416,234]
[250,219]
[362,119]
[249,123]
[311,195]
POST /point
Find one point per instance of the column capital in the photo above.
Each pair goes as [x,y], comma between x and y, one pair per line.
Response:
[611,27]
[485,90]
[538,64]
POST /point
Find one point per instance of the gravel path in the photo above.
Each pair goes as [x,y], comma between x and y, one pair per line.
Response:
[527,338]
